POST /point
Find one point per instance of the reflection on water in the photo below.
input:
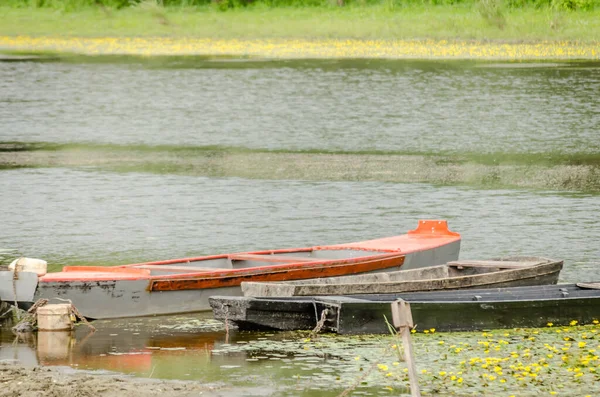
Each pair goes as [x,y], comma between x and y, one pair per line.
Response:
[195,348]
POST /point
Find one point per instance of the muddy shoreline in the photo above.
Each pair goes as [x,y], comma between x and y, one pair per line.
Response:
[19,380]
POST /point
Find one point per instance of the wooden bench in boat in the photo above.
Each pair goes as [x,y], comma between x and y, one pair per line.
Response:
[498,264]
[190,269]
[271,258]
[238,257]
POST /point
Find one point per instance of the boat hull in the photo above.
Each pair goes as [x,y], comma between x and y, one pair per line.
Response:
[132,298]
[20,288]
[185,285]
[507,272]
[470,310]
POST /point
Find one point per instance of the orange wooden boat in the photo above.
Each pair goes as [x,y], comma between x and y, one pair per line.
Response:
[184,285]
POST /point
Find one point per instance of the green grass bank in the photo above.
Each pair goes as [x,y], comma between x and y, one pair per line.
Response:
[480,20]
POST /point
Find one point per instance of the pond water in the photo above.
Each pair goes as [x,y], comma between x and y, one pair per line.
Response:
[91,215]
[327,105]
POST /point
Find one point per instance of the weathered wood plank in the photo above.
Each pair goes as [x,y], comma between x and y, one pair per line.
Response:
[499,264]
[589,285]
[271,258]
[488,277]
[403,322]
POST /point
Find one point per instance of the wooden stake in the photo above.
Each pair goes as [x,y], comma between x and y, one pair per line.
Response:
[403,322]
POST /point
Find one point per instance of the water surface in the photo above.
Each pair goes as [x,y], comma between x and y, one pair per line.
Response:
[326,105]
[77,212]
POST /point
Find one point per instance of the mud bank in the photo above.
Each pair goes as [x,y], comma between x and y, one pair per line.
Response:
[17,380]
[394,168]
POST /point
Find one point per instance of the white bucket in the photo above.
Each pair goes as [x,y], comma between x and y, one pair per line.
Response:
[56,317]
[38,266]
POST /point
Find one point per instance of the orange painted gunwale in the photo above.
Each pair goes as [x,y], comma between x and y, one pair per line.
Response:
[316,270]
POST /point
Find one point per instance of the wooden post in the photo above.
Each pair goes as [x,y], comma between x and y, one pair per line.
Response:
[403,322]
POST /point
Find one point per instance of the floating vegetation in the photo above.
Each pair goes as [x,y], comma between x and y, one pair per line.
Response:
[523,362]
[556,171]
[304,48]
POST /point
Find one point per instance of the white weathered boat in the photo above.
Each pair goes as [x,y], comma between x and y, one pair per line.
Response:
[512,271]
[184,285]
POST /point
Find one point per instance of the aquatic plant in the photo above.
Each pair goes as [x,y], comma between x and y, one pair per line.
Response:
[556,360]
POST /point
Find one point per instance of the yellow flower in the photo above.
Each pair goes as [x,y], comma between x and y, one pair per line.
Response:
[595,321]
[357,358]
[382,367]
[550,324]
[581,344]
[441,342]
[573,322]
[432,330]
[442,373]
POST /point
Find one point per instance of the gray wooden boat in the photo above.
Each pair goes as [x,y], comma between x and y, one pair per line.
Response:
[457,310]
[504,272]
[185,284]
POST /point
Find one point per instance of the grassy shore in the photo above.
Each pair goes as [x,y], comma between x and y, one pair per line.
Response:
[377,31]
[461,22]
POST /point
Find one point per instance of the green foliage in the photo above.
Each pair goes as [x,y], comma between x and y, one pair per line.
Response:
[572,5]
[491,10]
[560,5]
[71,5]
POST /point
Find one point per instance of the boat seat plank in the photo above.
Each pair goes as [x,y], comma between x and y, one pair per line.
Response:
[181,268]
[589,285]
[498,264]
[271,258]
